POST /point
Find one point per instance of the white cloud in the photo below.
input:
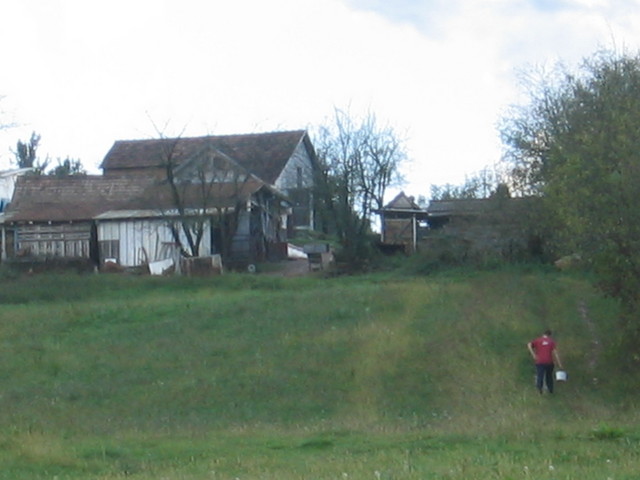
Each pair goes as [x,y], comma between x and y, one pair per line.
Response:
[84,74]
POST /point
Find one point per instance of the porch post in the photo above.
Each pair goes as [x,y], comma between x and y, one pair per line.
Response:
[3,247]
[414,225]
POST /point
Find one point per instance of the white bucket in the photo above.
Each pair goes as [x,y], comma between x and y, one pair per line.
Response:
[561,376]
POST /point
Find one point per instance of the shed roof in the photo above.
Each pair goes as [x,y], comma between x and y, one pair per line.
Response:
[73,198]
[263,154]
[474,206]
[42,198]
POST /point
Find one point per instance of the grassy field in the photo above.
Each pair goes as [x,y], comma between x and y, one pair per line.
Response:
[252,377]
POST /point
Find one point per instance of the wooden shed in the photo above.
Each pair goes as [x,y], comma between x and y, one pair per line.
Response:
[401,222]
[53,217]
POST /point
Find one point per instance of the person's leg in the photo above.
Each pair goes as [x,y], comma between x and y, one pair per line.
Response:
[539,377]
[549,377]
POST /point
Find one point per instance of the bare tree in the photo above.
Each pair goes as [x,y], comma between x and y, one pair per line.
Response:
[207,189]
[359,161]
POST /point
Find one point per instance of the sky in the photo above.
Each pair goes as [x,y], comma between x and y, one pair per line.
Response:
[441,73]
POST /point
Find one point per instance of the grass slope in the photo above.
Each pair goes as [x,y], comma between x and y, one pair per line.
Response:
[264,377]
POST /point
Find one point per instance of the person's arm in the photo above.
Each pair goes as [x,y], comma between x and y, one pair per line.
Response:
[531,350]
[556,357]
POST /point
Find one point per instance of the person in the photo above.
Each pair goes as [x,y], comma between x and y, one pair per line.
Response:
[545,354]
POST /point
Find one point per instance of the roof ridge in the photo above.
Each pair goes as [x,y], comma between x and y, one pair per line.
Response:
[223,135]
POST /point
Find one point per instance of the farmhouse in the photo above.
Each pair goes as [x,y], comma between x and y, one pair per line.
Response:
[239,195]
[284,160]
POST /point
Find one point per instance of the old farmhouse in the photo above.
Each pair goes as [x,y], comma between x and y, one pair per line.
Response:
[237,195]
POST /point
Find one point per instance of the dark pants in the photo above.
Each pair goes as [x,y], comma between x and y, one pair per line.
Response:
[544,374]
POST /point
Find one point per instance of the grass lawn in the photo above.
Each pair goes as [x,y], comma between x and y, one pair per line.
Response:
[252,377]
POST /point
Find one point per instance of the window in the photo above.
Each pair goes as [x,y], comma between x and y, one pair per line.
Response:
[299,177]
[109,249]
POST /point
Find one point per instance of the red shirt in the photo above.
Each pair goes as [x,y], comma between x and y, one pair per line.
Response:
[543,348]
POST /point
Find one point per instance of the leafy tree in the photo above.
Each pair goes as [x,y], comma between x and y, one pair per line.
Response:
[26,154]
[577,143]
[359,161]
[68,167]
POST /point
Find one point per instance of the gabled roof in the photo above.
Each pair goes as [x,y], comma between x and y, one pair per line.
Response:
[403,203]
[263,154]
[45,198]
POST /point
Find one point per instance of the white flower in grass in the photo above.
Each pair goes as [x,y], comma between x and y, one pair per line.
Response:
[552,468]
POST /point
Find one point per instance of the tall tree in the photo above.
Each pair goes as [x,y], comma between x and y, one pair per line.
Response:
[576,142]
[26,154]
[359,161]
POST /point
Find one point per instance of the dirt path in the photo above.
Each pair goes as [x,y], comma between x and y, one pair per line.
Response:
[596,345]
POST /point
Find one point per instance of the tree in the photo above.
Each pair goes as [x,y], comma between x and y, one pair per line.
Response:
[482,184]
[68,167]
[359,161]
[576,143]
[207,189]
[26,154]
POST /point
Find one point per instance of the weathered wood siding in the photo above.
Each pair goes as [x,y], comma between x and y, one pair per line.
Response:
[61,240]
[296,180]
[400,231]
[257,229]
[134,242]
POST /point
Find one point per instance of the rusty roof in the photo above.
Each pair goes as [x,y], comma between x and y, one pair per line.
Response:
[48,198]
[40,198]
[262,154]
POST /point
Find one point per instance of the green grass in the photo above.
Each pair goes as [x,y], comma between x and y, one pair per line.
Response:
[367,377]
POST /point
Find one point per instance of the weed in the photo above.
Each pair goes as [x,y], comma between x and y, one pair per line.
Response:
[250,376]
[607,432]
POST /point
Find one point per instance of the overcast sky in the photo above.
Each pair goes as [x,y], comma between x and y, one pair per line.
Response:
[85,73]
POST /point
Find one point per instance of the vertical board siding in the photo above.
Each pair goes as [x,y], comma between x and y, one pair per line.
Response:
[141,240]
[66,240]
[296,180]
